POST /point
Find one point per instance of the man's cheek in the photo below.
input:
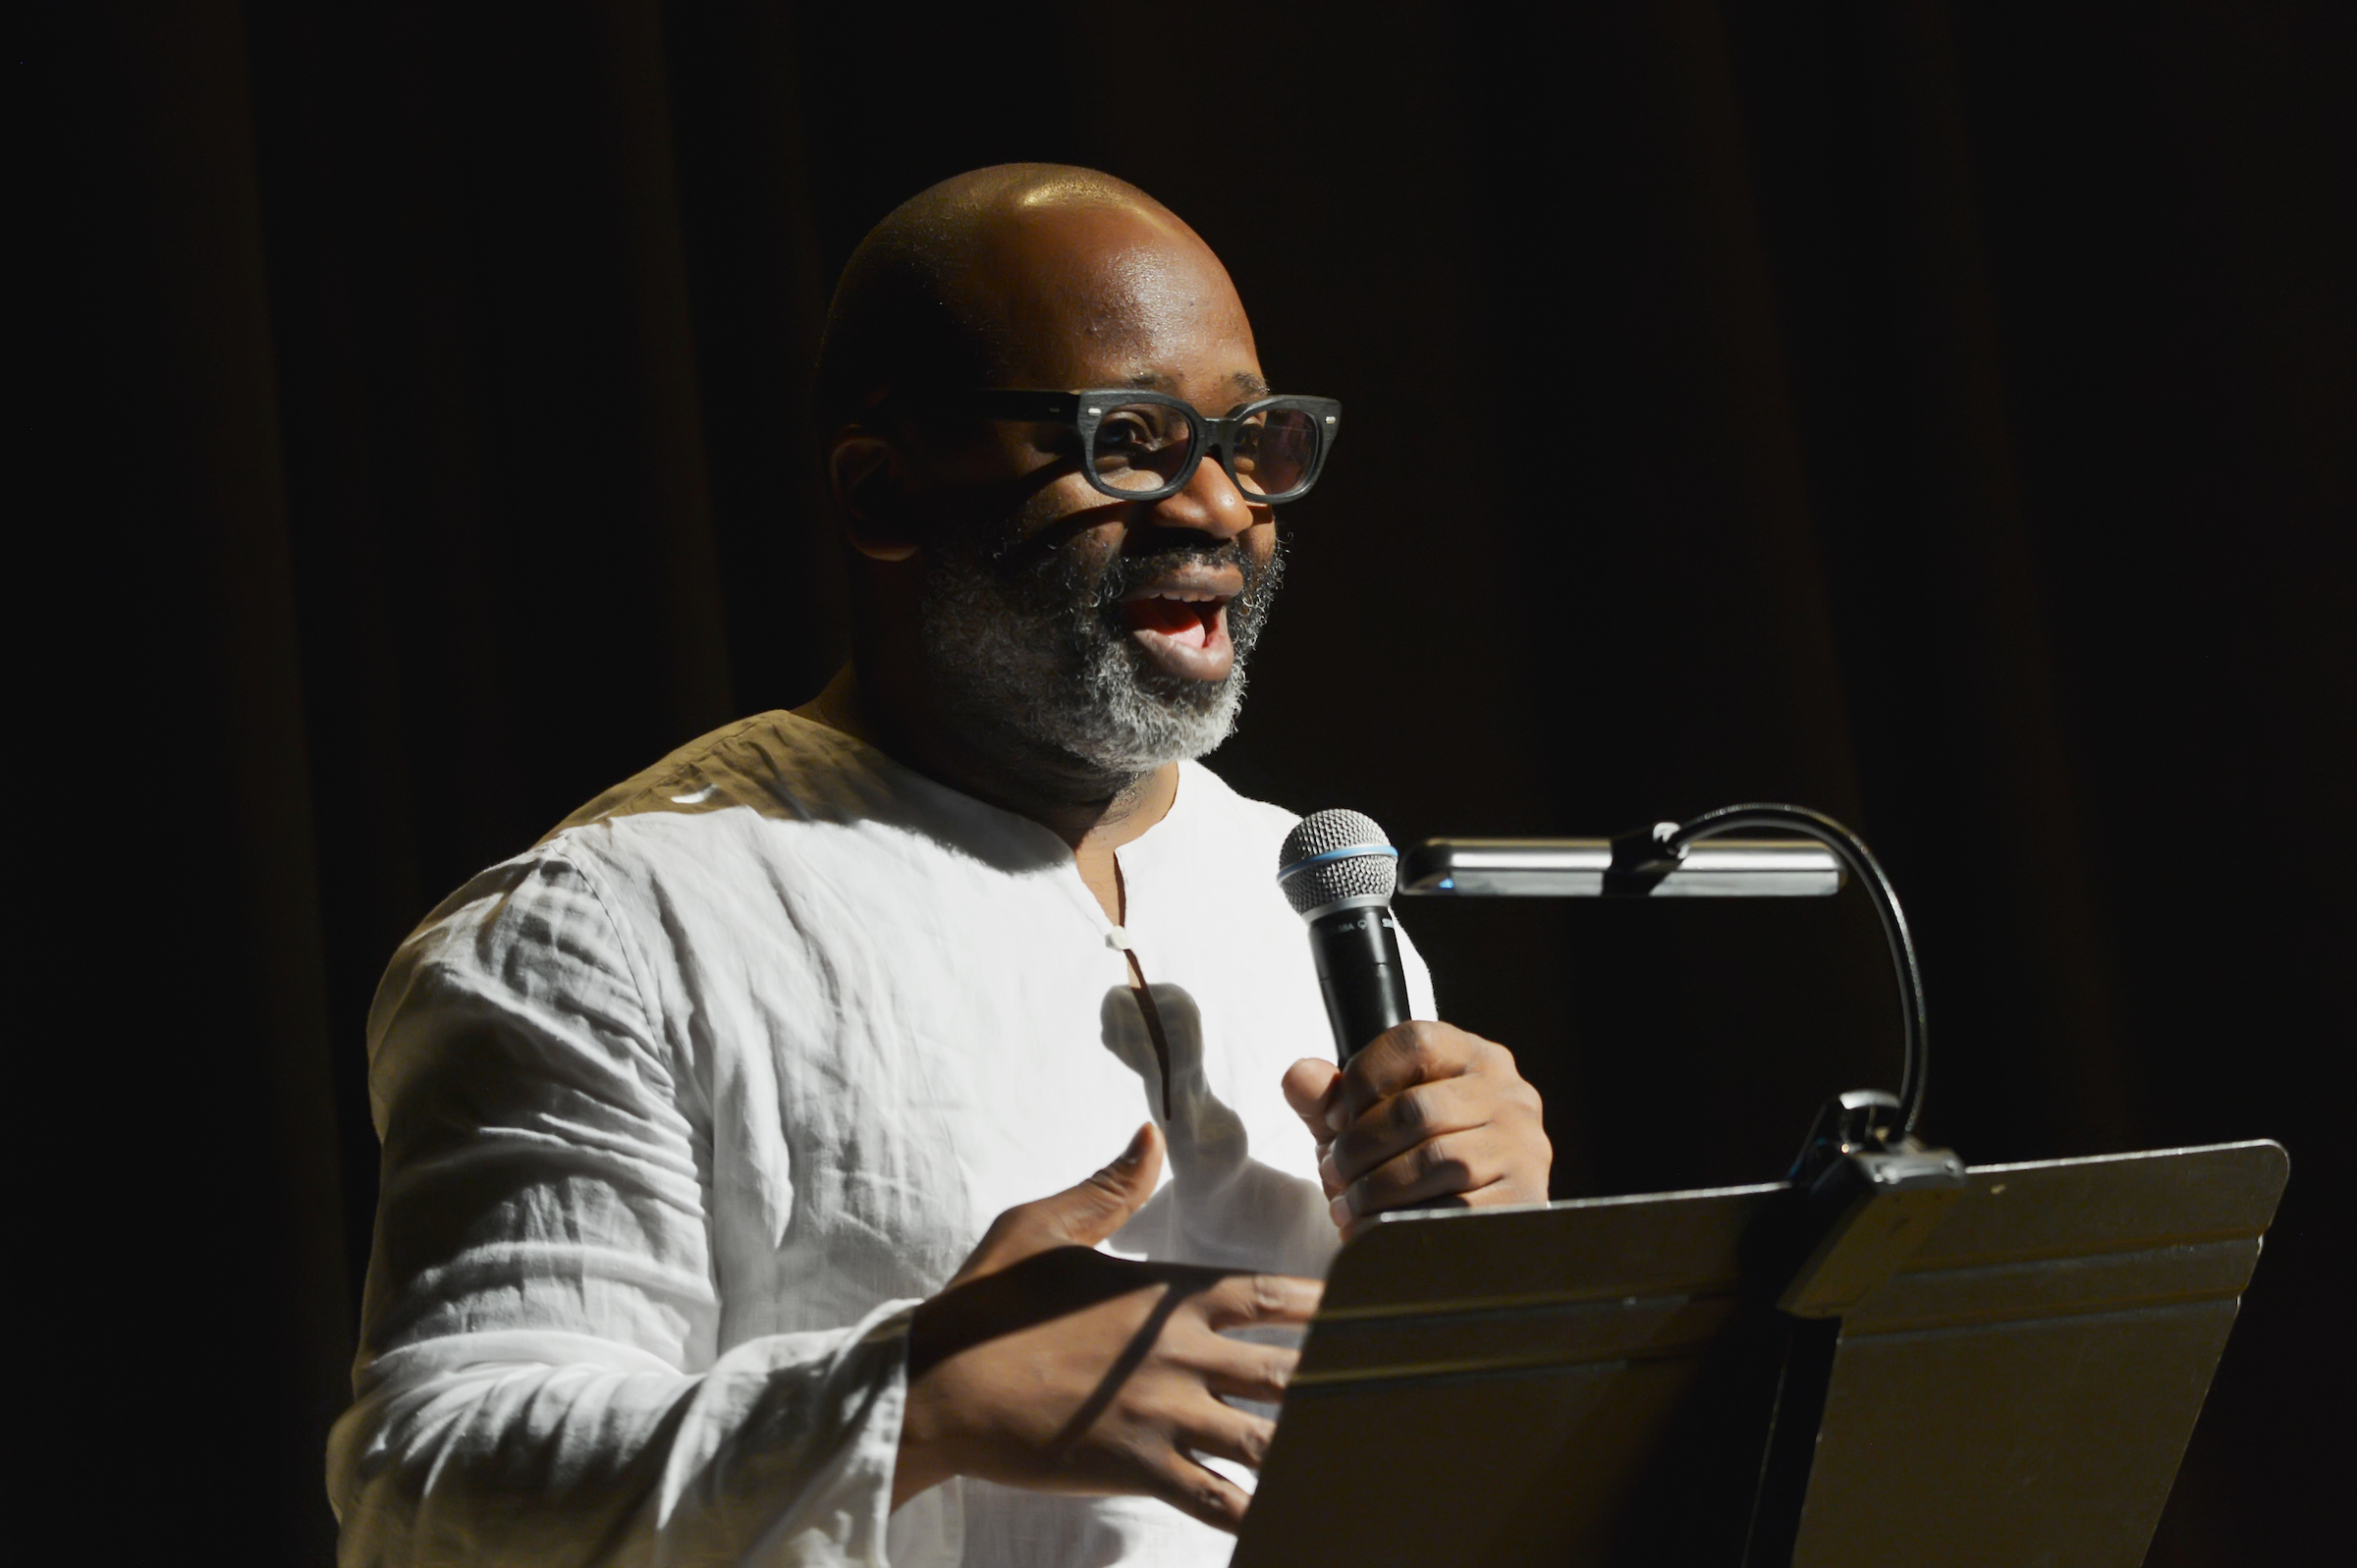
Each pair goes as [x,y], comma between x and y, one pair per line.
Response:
[1070,507]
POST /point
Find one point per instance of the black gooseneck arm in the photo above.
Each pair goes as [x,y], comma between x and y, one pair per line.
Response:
[1650,853]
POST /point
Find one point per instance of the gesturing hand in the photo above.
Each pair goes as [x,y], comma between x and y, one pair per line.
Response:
[1048,1365]
[1427,1112]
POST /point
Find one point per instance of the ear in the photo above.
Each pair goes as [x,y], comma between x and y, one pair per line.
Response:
[863,471]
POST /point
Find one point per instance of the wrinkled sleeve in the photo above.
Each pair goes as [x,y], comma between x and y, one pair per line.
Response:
[540,1378]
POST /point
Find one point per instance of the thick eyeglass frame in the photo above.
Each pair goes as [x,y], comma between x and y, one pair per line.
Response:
[1083,411]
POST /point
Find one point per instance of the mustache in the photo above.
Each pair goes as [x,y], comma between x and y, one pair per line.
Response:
[1245,612]
[1060,584]
[1125,572]
[1069,577]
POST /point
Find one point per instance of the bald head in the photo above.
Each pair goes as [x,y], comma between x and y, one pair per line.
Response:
[1019,275]
[1019,629]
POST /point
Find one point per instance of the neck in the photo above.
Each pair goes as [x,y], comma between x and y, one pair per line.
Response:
[1092,813]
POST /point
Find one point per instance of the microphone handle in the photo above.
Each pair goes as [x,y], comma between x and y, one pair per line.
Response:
[1358,969]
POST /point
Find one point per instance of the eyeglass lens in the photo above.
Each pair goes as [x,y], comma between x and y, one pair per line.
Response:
[1274,450]
[1143,447]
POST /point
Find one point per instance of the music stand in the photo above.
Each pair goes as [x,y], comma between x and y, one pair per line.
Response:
[1597,1381]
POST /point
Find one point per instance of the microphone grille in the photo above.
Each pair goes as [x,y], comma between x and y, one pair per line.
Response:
[1333,855]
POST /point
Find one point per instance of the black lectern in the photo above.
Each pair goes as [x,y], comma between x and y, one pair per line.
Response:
[1612,1380]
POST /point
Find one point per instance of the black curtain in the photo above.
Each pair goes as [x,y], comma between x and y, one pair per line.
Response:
[1939,414]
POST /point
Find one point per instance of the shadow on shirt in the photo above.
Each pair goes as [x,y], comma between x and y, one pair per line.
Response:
[1221,1208]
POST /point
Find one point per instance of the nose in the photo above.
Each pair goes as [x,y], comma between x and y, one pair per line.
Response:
[1208,503]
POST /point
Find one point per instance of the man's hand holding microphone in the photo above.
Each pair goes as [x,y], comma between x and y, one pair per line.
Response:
[1047,1364]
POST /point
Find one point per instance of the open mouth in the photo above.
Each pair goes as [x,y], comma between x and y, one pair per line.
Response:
[1188,621]
[1183,630]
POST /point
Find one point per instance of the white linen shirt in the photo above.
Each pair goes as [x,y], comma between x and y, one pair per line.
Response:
[685,1108]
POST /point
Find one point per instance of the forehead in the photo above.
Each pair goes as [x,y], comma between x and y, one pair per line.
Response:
[1108,294]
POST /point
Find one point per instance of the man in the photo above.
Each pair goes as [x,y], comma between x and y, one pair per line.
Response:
[697,1115]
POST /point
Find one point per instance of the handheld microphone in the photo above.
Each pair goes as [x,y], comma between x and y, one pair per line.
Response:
[1339,871]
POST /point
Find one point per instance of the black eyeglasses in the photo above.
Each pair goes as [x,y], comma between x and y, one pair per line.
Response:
[1142,446]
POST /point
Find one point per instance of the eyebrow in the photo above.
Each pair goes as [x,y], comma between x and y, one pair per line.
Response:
[1155,381]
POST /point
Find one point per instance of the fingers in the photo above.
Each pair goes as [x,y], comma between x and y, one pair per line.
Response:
[1236,1369]
[1453,1166]
[1398,1124]
[1435,1114]
[1311,1087]
[1198,1492]
[1242,1300]
[1412,1052]
[1431,1110]
[1223,1432]
[1211,1431]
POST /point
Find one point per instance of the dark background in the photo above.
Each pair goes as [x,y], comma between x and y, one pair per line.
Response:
[1940,414]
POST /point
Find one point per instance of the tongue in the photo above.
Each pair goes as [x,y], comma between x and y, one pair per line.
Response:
[1179,620]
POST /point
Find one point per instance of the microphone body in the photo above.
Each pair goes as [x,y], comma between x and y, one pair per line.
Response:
[1358,969]
[1339,871]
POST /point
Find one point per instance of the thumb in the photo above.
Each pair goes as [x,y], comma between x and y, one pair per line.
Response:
[1087,1212]
[1314,1088]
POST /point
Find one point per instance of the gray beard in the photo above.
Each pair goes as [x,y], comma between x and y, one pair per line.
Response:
[1038,654]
